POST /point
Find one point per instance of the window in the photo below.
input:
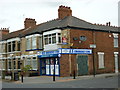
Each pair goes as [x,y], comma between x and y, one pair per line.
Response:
[2,64]
[47,61]
[40,42]
[101,60]
[115,35]
[28,61]
[13,46]
[9,64]
[59,37]
[0,48]
[34,44]
[34,63]
[18,46]
[14,63]
[49,39]
[9,46]
[115,42]
[53,38]
[46,39]
[19,64]
[28,43]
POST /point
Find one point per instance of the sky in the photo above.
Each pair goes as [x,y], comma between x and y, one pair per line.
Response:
[14,12]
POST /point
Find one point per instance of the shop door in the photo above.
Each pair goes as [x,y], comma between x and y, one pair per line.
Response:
[82,62]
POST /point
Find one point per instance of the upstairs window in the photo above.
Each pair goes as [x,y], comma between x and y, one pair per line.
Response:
[40,42]
[34,44]
[28,45]
[115,42]
[18,46]
[9,46]
[13,46]
[115,35]
[54,38]
[59,38]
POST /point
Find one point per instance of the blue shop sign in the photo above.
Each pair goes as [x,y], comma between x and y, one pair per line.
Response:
[75,51]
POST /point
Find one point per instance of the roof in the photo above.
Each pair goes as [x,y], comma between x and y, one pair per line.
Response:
[72,21]
[69,21]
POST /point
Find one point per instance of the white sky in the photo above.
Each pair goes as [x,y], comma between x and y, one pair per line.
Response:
[13,12]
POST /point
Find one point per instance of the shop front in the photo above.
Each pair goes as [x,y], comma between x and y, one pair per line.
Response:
[52,62]
[49,63]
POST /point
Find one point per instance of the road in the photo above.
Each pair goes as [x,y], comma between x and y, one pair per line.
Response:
[97,82]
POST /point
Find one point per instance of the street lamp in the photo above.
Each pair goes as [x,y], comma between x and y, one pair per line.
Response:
[93,46]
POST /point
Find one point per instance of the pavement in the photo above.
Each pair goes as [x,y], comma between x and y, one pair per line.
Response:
[49,79]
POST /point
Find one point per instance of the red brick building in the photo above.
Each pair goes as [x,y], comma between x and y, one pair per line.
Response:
[64,45]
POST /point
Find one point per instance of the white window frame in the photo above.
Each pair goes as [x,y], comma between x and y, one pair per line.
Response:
[34,42]
[56,32]
[115,35]
[101,60]
[40,40]
[32,64]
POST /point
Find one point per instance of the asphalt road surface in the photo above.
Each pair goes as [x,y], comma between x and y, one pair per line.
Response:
[99,82]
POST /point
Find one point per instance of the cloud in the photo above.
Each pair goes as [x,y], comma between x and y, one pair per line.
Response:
[55,3]
[3,21]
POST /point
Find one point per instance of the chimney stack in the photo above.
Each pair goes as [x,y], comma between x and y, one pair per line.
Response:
[29,22]
[108,24]
[64,11]
[4,31]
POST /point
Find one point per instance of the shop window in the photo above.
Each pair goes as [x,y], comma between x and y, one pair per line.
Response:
[28,61]
[34,63]
[19,64]
[47,61]
[101,60]
[9,64]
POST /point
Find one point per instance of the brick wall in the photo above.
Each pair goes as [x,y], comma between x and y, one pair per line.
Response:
[104,43]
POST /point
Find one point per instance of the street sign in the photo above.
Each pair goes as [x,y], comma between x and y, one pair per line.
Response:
[92,45]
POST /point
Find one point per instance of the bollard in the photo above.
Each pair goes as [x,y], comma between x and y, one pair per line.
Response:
[74,74]
[22,78]
[53,74]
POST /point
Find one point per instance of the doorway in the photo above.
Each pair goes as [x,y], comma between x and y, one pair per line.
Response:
[82,62]
[116,63]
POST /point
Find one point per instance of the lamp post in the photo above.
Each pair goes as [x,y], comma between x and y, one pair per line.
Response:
[21,64]
[54,71]
[93,46]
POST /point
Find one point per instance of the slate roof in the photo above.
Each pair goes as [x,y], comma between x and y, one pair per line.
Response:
[69,21]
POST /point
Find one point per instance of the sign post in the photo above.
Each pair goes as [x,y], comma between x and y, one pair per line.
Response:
[93,46]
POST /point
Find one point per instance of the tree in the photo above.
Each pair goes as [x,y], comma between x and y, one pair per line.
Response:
[26,69]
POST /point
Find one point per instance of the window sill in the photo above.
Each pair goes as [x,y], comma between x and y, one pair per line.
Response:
[101,68]
[33,49]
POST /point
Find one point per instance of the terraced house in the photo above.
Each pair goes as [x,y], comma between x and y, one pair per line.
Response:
[65,45]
